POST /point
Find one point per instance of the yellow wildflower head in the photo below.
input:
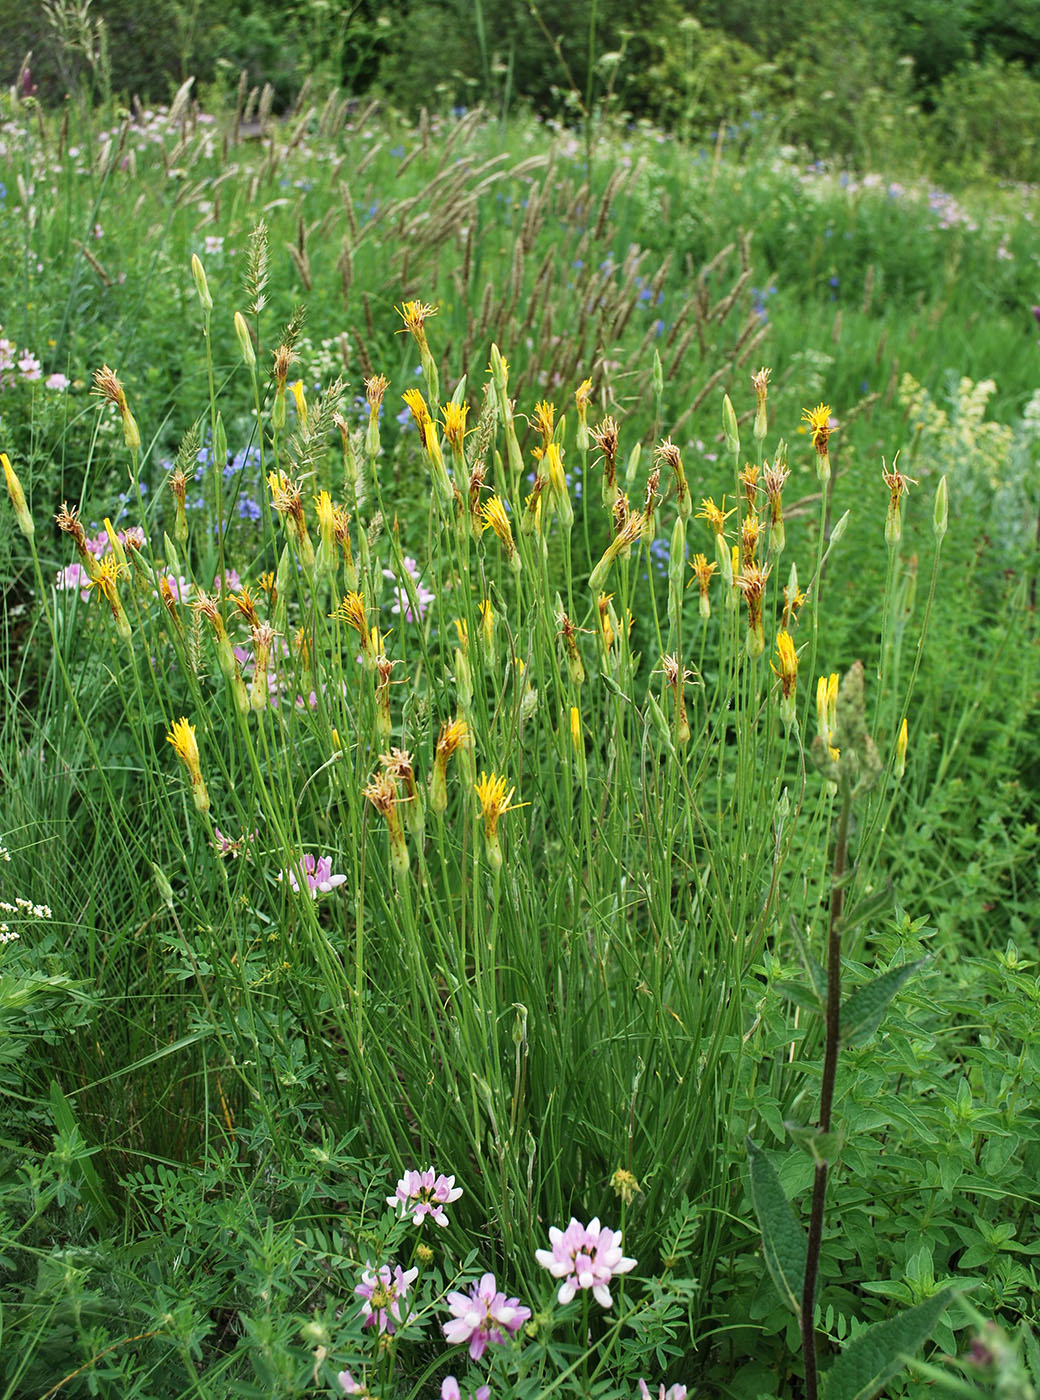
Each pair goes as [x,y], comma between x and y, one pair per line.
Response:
[818,422]
[109,571]
[786,655]
[716,516]
[703,571]
[415,314]
[454,420]
[545,421]
[582,395]
[352,611]
[453,734]
[494,801]
[493,516]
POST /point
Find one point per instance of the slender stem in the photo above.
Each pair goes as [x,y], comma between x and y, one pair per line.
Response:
[830,1069]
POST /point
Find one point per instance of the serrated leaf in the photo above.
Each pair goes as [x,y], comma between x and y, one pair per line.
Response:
[861,1015]
[869,1363]
[783,1239]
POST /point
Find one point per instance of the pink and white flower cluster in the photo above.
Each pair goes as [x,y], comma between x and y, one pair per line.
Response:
[383,1292]
[423,597]
[28,367]
[483,1315]
[422,1194]
[584,1256]
[317,875]
[674,1392]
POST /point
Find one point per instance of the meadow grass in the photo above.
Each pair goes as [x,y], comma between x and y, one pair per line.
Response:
[382,793]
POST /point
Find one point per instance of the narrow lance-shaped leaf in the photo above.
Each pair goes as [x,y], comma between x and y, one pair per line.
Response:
[881,1352]
[783,1239]
[861,1015]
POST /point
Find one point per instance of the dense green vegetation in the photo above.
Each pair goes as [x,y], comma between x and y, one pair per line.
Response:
[586,1005]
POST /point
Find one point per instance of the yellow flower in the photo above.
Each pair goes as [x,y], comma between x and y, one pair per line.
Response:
[415,315]
[493,516]
[788,658]
[545,421]
[352,611]
[454,419]
[182,737]
[417,404]
[494,801]
[818,421]
[713,514]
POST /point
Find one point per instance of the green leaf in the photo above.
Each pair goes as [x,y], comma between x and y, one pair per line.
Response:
[861,1015]
[800,995]
[783,1239]
[823,1148]
[65,1121]
[869,1363]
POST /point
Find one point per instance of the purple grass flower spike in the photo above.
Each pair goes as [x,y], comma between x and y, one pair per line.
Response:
[383,1292]
[450,1390]
[317,876]
[584,1257]
[421,1194]
[483,1315]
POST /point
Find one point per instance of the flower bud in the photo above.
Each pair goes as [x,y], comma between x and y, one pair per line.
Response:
[14,486]
[201,285]
[729,426]
[941,515]
[245,341]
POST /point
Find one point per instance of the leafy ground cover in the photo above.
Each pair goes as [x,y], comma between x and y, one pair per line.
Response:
[413,758]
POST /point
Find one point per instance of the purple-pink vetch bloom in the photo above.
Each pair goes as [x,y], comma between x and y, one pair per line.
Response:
[422,1194]
[7,349]
[483,1315]
[29,365]
[450,1390]
[317,876]
[57,381]
[225,846]
[73,576]
[349,1384]
[584,1256]
[674,1392]
[401,604]
[383,1292]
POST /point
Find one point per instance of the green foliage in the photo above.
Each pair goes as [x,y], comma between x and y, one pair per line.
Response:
[990,111]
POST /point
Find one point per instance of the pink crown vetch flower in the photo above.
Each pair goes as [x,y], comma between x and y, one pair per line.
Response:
[674,1392]
[317,876]
[450,1390]
[483,1315]
[383,1292]
[584,1256]
[422,1194]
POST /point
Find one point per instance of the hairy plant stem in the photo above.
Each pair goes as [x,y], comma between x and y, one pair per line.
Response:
[830,1069]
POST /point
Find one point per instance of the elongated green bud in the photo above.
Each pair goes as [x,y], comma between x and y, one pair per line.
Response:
[245,341]
[941,515]
[201,285]
[840,528]
[729,426]
[14,487]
